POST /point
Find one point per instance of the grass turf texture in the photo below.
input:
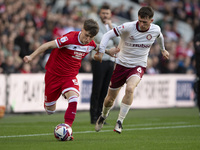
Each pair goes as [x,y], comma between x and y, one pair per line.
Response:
[144,129]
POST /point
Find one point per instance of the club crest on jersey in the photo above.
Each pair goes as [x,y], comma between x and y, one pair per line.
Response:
[63,39]
[149,37]
[88,49]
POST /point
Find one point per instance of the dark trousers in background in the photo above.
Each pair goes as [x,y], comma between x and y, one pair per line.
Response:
[198,95]
[102,73]
[197,58]
[197,92]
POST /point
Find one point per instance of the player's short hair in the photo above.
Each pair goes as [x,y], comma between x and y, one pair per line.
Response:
[91,26]
[145,12]
[105,6]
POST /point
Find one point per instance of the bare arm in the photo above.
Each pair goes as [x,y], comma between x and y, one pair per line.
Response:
[111,52]
[39,50]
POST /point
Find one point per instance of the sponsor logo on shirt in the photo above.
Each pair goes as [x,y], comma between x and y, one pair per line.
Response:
[137,45]
[78,55]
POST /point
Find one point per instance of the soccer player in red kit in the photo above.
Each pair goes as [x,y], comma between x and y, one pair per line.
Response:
[64,64]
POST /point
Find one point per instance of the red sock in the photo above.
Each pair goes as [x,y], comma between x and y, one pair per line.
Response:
[71,110]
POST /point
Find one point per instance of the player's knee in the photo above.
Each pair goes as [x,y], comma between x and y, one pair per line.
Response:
[129,90]
[110,99]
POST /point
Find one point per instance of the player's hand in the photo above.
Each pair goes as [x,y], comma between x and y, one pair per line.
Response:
[113,51]
[98,56]
[165,54]
[27,59]
[109,22]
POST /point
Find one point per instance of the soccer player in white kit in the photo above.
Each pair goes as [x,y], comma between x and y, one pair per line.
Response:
[136,40]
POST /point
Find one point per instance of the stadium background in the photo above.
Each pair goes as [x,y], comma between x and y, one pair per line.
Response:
[26,24]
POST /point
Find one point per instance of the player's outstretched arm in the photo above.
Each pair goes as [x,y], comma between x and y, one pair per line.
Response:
[39,50]
[104,41]
[103,44]
[112,52]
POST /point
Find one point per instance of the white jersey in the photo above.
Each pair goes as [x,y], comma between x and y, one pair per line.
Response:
[134,44]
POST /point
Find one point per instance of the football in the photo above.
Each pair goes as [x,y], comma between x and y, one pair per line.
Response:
[63,132]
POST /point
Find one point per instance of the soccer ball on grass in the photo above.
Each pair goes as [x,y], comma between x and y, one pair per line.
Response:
[63,132]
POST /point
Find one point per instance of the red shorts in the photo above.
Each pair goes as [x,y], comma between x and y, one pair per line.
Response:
[121,74]
[57,85]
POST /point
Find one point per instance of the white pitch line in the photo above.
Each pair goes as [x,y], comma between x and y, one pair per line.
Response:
[156,128]
[13,136]
[108,126]
[150,128]
[82,132]
[151,124]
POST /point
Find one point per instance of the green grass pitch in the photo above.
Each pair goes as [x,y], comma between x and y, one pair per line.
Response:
[143,129]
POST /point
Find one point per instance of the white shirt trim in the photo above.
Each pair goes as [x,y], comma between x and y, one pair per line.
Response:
[79,38]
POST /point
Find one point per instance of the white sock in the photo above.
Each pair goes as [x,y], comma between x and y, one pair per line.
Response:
[124,108]
[49,112]
[105,111]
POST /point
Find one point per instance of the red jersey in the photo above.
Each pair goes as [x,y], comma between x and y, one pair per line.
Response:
[66,59]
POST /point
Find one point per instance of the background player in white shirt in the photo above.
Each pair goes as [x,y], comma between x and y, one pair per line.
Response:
[136,40]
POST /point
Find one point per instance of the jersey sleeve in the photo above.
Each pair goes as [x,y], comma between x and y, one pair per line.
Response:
[121,28]
[62,41]
[104,42]
[159,31]
[160,39]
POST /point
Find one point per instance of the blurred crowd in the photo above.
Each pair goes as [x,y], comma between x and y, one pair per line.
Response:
[26,24]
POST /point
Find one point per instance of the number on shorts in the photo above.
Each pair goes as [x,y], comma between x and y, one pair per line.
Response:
[139,69]
[75,82]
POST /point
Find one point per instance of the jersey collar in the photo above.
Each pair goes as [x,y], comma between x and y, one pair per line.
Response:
[137,27]
[79,38]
